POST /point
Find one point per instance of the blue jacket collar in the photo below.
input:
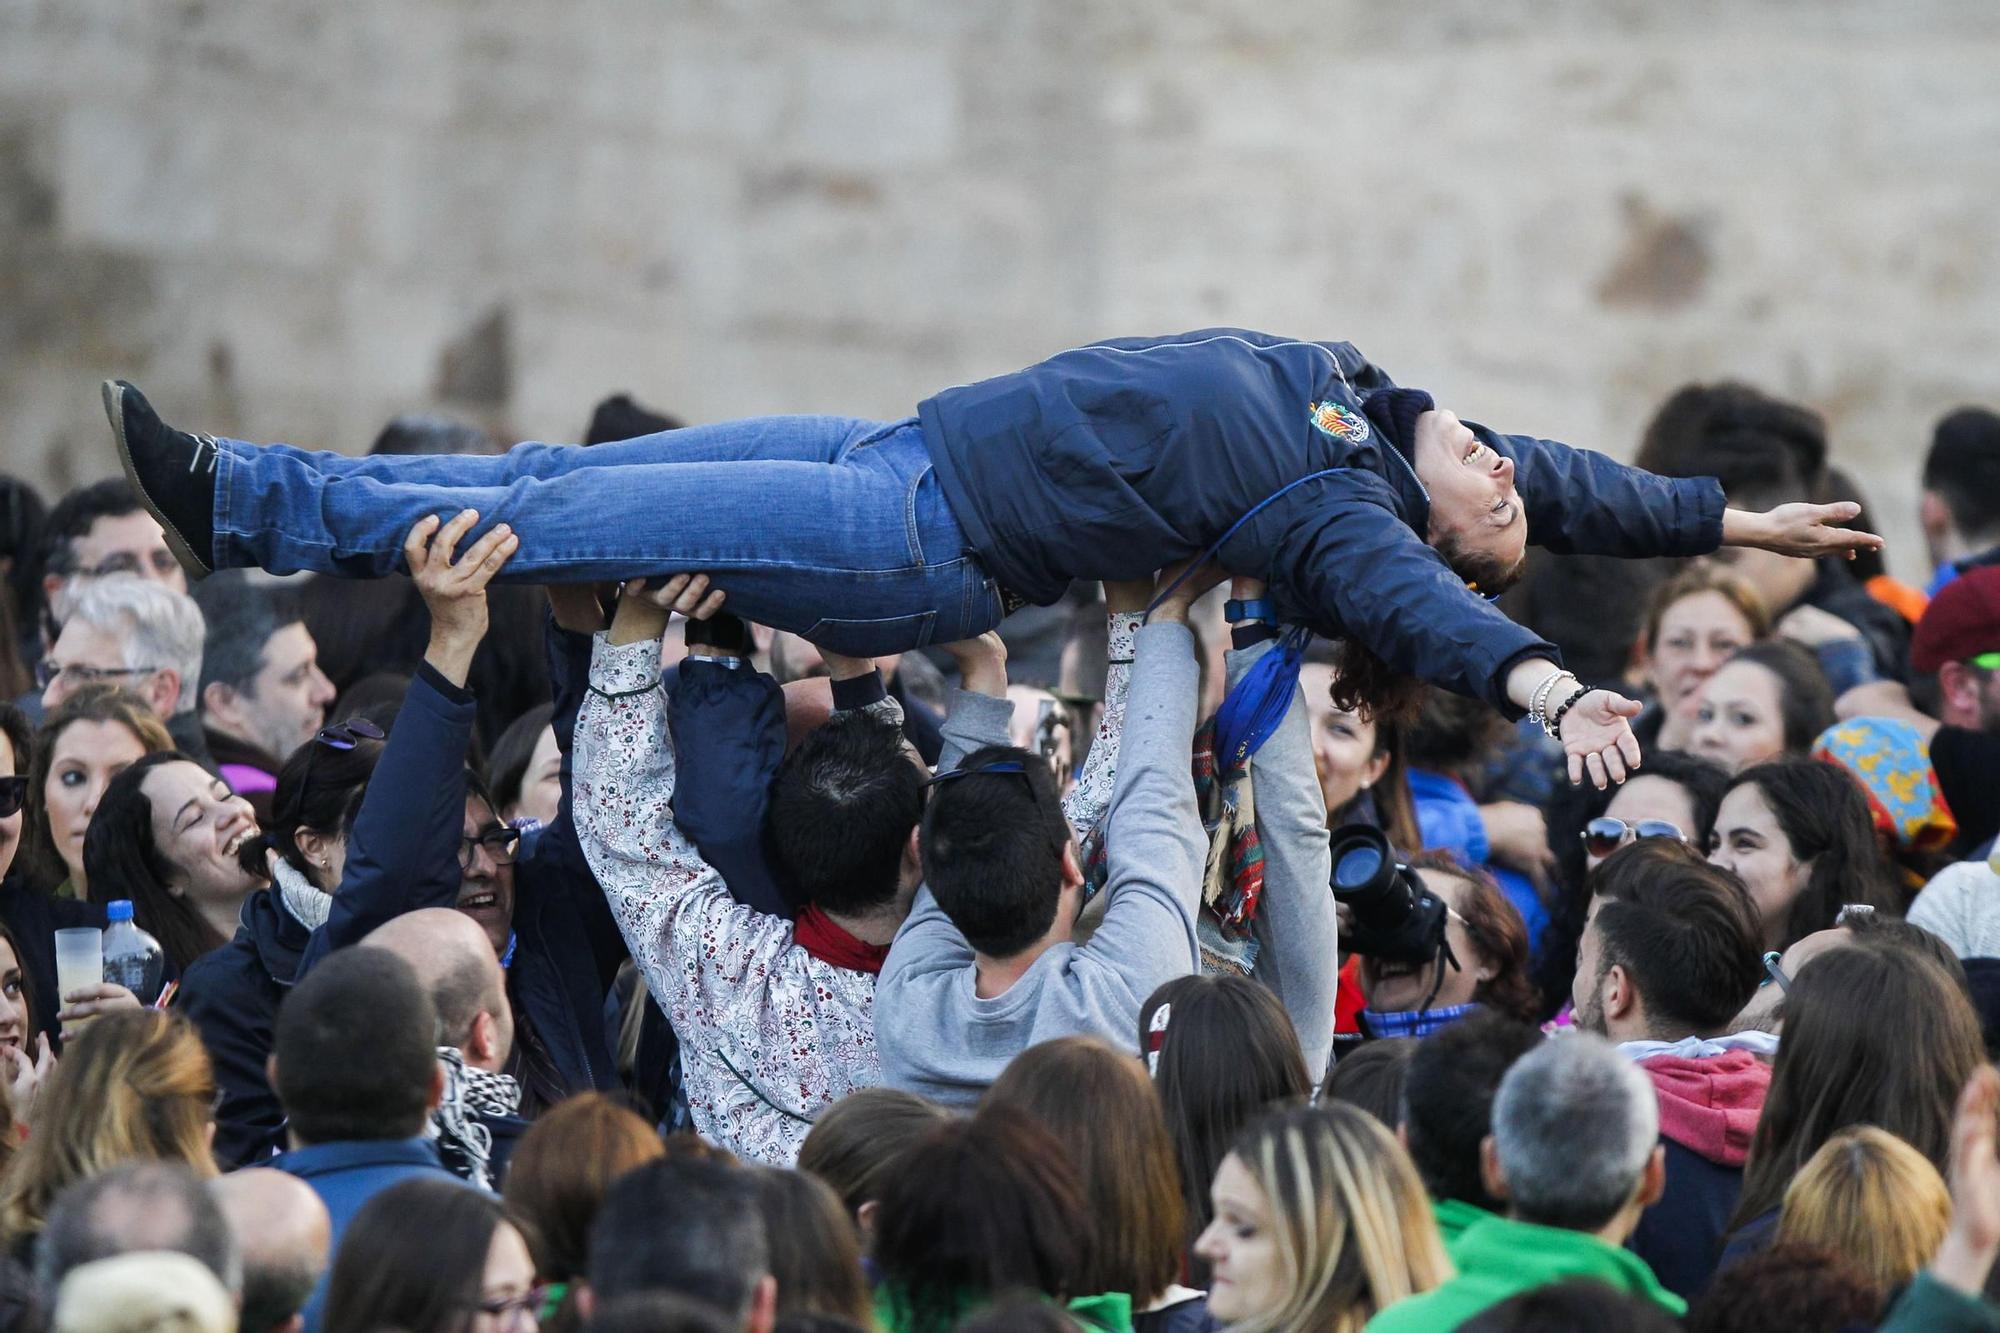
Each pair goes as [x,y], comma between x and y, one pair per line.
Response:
[320,1159]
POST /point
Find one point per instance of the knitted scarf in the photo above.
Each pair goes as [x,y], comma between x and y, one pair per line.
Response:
[463,1142]
[1233,878]
[308,904]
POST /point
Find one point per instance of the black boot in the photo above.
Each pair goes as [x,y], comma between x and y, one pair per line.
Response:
[173,471]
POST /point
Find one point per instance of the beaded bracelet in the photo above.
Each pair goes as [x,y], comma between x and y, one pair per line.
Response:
[1538,703]
[1556,723]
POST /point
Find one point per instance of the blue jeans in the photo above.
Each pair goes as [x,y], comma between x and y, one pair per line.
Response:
[830,527]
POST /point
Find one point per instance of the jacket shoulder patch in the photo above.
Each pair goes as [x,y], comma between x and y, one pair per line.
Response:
[1340,422]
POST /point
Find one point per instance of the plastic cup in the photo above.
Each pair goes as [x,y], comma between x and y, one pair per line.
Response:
[79,959]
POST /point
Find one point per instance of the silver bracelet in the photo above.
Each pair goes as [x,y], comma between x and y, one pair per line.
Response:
[1538,703]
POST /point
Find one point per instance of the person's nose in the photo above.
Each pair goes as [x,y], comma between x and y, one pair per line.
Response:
[1504,469]
[323,693]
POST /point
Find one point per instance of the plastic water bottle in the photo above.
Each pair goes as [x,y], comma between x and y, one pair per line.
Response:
[132,958]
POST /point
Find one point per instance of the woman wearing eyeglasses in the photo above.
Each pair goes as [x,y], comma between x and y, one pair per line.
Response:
[433,1256]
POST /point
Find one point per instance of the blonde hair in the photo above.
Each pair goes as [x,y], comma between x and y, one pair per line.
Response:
[1700,578]
[133,1086]
[1870,1196]
[1353,1226]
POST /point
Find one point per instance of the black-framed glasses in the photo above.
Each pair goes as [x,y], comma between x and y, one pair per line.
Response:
[1605,835]
[13,795]
[47,671]
[502,843]
[346,735]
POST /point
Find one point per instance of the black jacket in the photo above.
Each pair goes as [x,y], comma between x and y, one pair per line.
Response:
[34,918]
[1114,460]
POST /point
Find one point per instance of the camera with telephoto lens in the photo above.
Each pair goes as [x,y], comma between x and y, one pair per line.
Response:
[1396,919]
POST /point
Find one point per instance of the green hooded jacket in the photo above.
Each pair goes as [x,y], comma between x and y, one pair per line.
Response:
[1499,1257]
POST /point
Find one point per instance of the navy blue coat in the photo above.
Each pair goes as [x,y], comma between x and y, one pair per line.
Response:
[1114,460]
[232,994]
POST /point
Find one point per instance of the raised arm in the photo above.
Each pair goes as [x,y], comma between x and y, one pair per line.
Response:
[1297,955]
[403,853]
[1084,807]
[1154,844]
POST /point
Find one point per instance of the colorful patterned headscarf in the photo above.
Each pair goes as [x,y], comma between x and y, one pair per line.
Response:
[1892,761]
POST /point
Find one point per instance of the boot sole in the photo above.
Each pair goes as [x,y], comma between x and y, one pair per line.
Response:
[114,408]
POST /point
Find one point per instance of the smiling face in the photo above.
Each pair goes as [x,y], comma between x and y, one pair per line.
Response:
[486,889]
[1246,1271]
[1396,988]
[1344,743]
[1697,635]
[1749,841]
[85,757]
[1477,522]
[1740,720]
[198,826]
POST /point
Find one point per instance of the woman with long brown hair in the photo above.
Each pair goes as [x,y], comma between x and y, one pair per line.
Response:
[1099,1102]
[132,1085]
[89,739]
[1222,1051]
[1875,1034]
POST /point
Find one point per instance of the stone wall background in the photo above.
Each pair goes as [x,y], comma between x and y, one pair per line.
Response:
[292,220]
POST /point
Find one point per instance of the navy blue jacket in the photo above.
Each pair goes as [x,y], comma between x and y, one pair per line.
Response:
[232,994]
[566,946]
[1113,460]
[1680,1237]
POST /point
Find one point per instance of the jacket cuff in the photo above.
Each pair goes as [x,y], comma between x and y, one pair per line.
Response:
[624,668]
[1123,637]
[434,678]
[858,692]
[979,718]
[1700,503]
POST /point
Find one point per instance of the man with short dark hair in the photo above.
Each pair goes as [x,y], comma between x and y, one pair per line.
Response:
[1670,954]
[1448,1095]
[988,964]
[1573,1151]
[136,1206]
[357,1070]
[1960,508]
[477,1121]
[692,1228]
[285,1237]
[738,978]
[262,694]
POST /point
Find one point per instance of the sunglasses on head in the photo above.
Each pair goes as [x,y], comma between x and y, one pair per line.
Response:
[1605,835]
[346,735]
[13,795]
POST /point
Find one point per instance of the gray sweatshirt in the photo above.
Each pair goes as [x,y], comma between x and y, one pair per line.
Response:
[936,1036]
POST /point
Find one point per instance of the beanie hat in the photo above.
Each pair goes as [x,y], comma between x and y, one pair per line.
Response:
[149,1291]
[1395,413]
[1962,621]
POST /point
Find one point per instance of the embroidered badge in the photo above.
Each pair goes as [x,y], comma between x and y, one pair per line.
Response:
[1343,423]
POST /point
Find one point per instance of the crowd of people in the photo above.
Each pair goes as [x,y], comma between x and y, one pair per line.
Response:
[590,957]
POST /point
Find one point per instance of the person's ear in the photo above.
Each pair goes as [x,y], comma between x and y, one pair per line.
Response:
[585,1298]
[1377,766]
[1653,1180]
[217,700]
[163,691]
[1617,993]
[864,1222]
[1489,1169]
[1072,872]
[271,1070]
[763,1314]
[481,1042]
[1403,1134]
[1934,514]
[1958,688]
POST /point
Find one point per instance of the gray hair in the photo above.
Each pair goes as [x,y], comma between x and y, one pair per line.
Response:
[1574,1123]
[131,1207]
[157,626]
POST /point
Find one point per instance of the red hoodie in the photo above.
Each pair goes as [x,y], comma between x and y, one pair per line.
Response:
[1710,1106]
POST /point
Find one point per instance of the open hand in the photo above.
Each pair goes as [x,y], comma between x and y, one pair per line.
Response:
[455,589]
[1803,530]
[1966,1257]
[1597,737]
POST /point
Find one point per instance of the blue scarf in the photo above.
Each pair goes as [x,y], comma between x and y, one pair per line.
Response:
[1415,1022]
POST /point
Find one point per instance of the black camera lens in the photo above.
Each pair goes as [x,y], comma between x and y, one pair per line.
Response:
[1395,917]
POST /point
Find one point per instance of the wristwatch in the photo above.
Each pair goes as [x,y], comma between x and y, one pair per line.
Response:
[1257,608]
[727,635]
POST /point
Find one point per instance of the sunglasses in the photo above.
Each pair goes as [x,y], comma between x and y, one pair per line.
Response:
[346,735]
[1605,835]
[13,795]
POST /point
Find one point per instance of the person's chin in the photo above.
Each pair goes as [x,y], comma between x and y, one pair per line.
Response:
[494,915]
